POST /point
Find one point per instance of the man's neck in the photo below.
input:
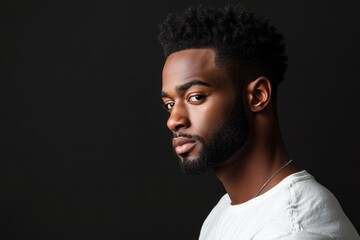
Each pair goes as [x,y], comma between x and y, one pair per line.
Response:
[248,169]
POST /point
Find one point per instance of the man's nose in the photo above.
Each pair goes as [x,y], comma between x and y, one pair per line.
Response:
[178,118]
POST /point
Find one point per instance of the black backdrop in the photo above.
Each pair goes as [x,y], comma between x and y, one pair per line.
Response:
[85,153]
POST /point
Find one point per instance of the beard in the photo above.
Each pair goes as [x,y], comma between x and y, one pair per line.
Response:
[220,146]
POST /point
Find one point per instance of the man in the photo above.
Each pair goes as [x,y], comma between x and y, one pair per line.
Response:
[219,85]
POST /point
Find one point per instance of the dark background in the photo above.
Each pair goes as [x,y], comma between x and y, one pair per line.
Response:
[85,153]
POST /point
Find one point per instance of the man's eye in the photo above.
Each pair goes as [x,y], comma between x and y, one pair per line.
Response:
[196,98]
[168,105]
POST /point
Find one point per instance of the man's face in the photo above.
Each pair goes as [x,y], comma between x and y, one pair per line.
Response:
[206,114]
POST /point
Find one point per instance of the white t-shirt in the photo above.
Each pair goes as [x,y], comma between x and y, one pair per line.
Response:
[296,208]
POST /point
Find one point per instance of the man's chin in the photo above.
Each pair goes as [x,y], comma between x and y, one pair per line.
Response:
[193,166]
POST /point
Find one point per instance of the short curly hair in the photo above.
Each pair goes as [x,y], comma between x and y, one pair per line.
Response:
[244,42]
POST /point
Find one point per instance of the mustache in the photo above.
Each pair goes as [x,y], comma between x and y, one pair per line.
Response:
[189,136]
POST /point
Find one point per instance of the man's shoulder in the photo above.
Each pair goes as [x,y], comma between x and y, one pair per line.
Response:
[316,211]
[297,208]
[306,192]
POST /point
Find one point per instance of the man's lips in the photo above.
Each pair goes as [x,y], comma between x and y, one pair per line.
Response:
[183,144]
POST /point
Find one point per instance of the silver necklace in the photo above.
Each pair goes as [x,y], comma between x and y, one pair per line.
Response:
[272,176]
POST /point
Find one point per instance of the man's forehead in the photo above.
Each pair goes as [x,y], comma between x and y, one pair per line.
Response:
[189,61]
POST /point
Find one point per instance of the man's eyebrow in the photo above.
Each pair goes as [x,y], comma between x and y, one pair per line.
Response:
[186,86]
[163,95]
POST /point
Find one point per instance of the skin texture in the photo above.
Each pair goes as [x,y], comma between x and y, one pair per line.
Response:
[198,109]
[214,132]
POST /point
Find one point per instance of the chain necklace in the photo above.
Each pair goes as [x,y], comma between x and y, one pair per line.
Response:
[272,176]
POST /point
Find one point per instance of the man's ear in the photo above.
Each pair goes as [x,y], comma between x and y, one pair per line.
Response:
[258,94]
